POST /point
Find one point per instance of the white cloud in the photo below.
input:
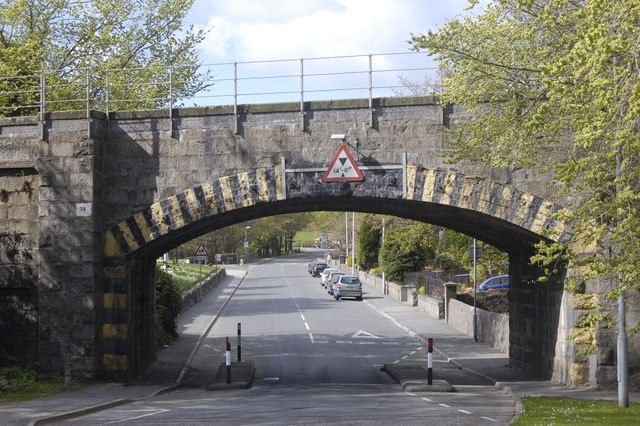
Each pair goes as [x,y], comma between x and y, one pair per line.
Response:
[261,29]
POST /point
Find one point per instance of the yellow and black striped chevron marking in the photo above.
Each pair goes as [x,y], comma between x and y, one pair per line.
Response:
[491,198]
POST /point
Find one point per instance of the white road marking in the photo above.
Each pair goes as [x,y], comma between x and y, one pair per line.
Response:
[426,399]
[465,411]
[307,325]
[158,411]
[364,334]
[405,357]
[348,342]
[311,337]
[488,418]
[444,405]
[303,318]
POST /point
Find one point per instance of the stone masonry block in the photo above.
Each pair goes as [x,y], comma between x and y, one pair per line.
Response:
[584,302]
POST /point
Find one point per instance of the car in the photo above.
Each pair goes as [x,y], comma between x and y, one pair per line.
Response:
[331,280]
[348,286]
[499,281]
[318,268]
[325,273]
[327,277]
[310,267]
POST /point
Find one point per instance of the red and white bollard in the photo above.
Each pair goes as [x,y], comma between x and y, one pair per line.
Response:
[430,362]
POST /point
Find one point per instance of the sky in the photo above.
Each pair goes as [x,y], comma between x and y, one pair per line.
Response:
[268,30]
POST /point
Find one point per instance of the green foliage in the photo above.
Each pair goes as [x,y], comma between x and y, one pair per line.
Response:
[554,85]
[368,245]
[22,383]
[186,275]
[448,262]
[405,250]
[68,36]
[168,306]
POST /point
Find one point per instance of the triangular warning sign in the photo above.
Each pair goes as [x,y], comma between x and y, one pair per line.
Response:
[202,251]
[343,167]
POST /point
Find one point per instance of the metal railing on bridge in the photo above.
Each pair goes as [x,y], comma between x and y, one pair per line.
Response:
[233,83]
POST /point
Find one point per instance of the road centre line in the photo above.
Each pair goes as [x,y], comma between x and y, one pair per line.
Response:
[303,318]
[307,325]
[488,418]
[427,399]
[465,411]
[444,405]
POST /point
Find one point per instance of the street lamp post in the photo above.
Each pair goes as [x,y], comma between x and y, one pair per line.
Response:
[246,242]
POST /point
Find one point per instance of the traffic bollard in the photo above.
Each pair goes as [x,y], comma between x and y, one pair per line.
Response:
[430,362]
[239,346]
[228,361]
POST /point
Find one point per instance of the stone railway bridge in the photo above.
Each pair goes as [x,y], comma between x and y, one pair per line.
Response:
[88,204]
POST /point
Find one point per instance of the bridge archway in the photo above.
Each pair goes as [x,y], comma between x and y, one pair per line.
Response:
[498,214]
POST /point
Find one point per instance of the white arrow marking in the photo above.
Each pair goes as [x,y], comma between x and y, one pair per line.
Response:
[364,335]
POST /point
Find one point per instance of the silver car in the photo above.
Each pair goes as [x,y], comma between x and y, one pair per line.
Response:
[332,280]
[348,286]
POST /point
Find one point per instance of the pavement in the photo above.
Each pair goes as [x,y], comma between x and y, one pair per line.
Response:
[171,369]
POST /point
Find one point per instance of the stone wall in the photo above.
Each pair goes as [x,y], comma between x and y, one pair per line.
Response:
[493,328]
[195,295]
[431,306]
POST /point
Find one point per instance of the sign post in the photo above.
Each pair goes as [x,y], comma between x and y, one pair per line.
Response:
[201,255]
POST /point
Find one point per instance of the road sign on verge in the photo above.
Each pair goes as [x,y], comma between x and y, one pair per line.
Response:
[343,167]
[201,253]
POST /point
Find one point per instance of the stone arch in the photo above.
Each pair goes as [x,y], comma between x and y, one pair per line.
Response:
[496,213]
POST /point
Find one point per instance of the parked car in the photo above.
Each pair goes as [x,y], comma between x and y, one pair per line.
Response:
[332,279]
[323,275]
[328,276]
[318,268]
[310,266]
[499,281]
[348,286]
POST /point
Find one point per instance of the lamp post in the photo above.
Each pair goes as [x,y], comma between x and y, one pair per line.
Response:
[474,252]
[246,242]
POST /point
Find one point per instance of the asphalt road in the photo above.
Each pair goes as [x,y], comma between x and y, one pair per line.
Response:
[317,361]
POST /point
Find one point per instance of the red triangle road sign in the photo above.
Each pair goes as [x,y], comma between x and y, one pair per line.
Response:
[343,167]
[201,251]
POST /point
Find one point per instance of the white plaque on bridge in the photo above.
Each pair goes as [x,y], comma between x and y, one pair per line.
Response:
[83,209]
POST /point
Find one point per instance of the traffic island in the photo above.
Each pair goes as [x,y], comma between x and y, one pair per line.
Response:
[241,376]
[413,378]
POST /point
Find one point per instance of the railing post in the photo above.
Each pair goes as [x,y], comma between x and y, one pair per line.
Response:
[106,90]
[302,94]
[88,87]
[171,101]
[235,98]
[42,103]
[370,90]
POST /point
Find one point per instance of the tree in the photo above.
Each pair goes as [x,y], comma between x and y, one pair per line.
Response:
[554,85]
[405,249]
[368,246]
[68,36]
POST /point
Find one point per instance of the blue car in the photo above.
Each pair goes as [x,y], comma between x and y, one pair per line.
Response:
[499,281]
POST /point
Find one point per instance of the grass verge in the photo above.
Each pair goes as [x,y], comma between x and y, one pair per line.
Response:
[22,384]
[568,411]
